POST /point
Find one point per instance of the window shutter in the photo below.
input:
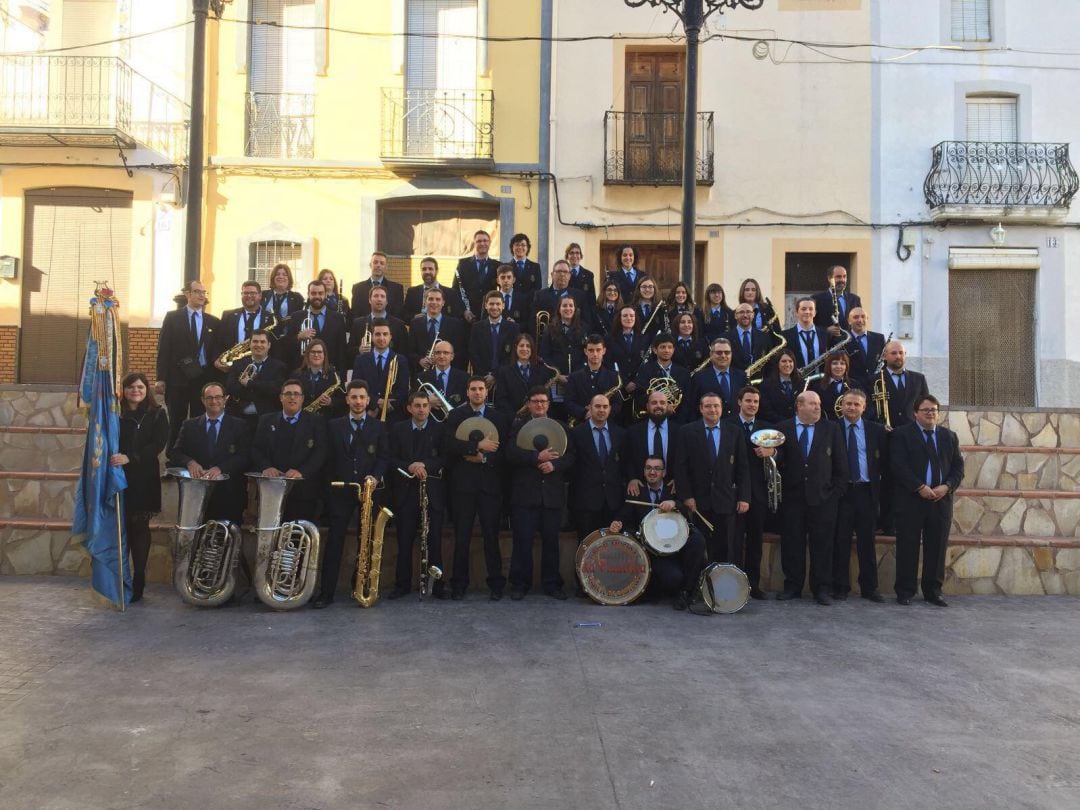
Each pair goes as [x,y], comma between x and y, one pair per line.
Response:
[434,57]
[971,20]
[282,59]
[992,119]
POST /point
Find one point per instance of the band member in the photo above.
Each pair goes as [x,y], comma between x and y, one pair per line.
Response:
[435,325]
[679,301]
[562,346]
[526,271]
[750,293]
[662,365]
[713,477]
[674,573]
[476,274]
[926,470]
[746,543]
[361,291]
[335,298]
[904,387]
[747,343]
[215,446]
[580,278]
[516,300]
[813,464]
[358,451]
[596,494]
[325,324]
[537,499]
[281,300]
[656,436]
[322,383]
[652,315]
[549,298]
[845,302]
[718,378]
[867,449]
[255,392]
[360,333]
[290,443]
[514,380]
[187,346]
[864,350]
[781,385]
[144,432]
[690,350]
[449,381]
[627,275]
[416,449]
[626,346]
[607,309]
[716,314]
[834,384]
[375,368]
[476,469]
[491,341]
[595,378]
[416,297]
[237,325]
[808,341]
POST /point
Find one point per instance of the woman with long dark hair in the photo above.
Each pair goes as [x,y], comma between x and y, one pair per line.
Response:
[690,350]
[834,384]
[625,345]
[607,308]
[679,301]
[717,316]
[144,432]
[781,385]
[317,376]
[652,315]
[514,380]
[750,293]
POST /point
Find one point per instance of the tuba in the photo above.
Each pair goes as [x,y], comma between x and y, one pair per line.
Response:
[369,554]
[205,554]
[773,481]
[287,558]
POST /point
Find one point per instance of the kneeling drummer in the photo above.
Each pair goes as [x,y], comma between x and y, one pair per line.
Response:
[674,574]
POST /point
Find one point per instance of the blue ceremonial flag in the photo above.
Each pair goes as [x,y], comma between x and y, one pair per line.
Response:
[97,499]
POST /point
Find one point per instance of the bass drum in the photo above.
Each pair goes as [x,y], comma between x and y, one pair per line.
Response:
[724,588]
[613,568]
[664,533]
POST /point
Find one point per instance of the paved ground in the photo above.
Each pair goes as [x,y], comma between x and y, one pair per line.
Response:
[512,705]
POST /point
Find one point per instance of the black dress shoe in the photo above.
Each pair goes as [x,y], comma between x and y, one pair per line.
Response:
[397,593]
[320,602]
[496,594]
[935,599]
[785,596]
[839,596]
[822,598]
[440,593]
[874,596]
[903,600]
[682,601]
[457,594]
[517,593]
[135,597]
[557,593]
[757,593]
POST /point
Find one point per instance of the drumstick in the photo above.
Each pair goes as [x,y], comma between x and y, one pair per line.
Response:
[642,503]
[653,505]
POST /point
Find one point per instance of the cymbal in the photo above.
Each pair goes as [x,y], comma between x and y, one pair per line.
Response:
[542,433]
[476,428]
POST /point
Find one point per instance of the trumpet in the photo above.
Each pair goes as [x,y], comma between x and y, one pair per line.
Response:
[243,348]
[365,341]
[316,404]
[880,394]
[440,407]
[391,378]
[430,356]
[307,323]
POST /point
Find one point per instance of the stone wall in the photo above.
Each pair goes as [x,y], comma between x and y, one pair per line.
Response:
[1035,428]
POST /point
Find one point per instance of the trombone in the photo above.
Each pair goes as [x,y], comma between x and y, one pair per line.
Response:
[391,378]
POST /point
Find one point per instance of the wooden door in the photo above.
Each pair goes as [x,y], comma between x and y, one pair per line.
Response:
[654,101]
[661,261]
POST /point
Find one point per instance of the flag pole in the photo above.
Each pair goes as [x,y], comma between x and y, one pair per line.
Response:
[120,555]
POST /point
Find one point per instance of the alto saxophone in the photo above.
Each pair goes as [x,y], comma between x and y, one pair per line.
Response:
[369,553]
[243,348]
[316,404]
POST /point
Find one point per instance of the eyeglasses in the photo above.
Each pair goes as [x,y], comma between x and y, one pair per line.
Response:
[928,411]
[538,401]
[720,351]
[212,397]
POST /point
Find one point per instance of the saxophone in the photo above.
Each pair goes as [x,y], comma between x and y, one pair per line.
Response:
[243,348]
[316,405]
[814,366]
[287,559]
[759,365]
[206,553]
[369,553]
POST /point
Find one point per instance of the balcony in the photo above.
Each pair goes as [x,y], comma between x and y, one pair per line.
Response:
[1017,182]
[438,128]
[94,101]
[645,149]
[280,125]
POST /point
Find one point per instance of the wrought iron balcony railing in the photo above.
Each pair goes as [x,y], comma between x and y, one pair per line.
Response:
[280,125]
[647,148]
[970,174]
[437,127]
[87,101]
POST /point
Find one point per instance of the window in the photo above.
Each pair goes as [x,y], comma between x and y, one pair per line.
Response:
[262,256]
[992,119]
[971,21]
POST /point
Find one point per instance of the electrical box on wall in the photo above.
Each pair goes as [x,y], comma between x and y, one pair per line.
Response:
[905,319]
[9,267]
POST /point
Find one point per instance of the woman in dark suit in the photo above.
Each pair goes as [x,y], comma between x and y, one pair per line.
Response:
[690,350]
[651,312]
[144,431]
[835,383]
[717,316]
[607,308]
[317,376]
[781,385]
[280,299]
[625,346]
[514,380]
[750,293]
[679,301]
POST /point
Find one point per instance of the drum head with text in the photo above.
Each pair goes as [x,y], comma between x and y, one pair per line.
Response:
[613,568]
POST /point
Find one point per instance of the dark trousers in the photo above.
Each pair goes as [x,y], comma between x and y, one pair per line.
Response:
[300,505]
[138,535]
[805,524]
[587,521]
[341,504]
[183,401]
[747,541]
[680,571]
[525,522]
[467,507]
[407,517]
[857,514]
[717,541]
[929,520]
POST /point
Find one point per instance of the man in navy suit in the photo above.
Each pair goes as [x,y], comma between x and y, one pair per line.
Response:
[718,378]
[491,340]
[808,340]
[747,343]
[845,302]
[326,324]
[927,467]
[361,291]
[434,324]
[597,493]
[713,476]
[449,381]
[867,448]
[358,452]
[864,350]
[475,275]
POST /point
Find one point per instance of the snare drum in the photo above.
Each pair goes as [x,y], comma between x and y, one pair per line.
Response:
[613,568]
[724,588]
[664,533]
